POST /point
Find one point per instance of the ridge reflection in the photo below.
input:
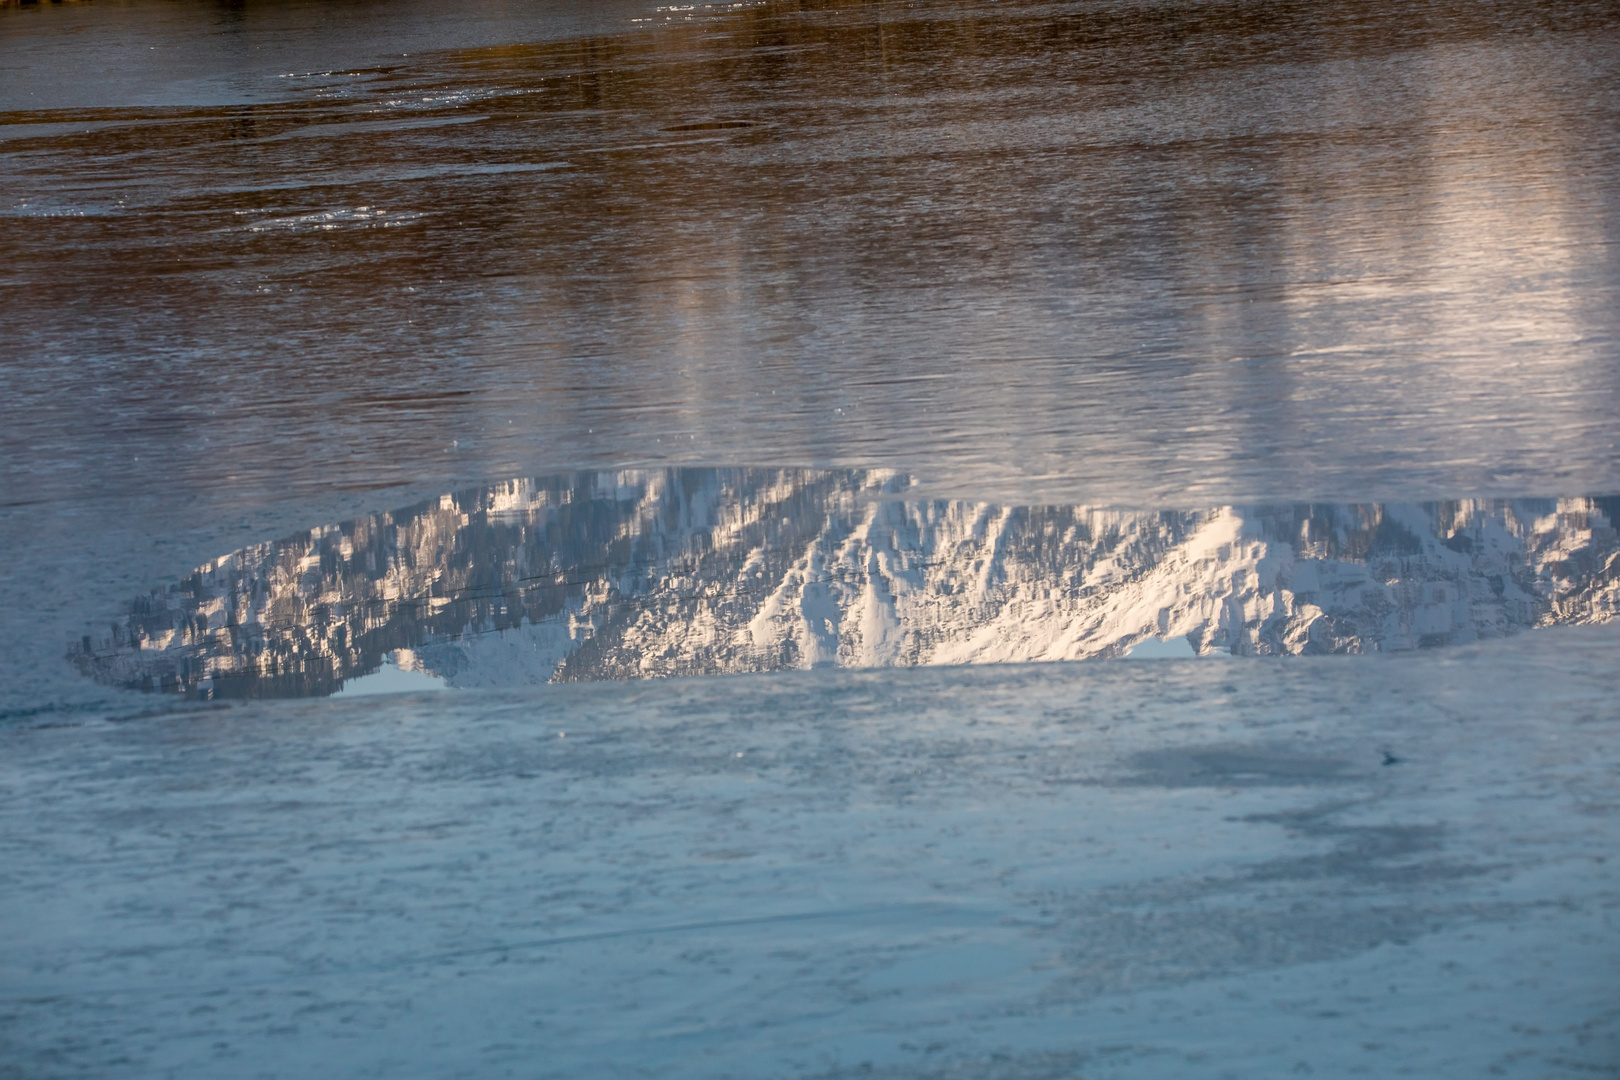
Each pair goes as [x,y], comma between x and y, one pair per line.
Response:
[702,571]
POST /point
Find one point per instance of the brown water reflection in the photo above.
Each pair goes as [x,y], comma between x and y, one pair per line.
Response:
[1120,252]
[703,571]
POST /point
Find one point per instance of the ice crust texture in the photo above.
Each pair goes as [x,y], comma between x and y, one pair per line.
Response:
[1402,866]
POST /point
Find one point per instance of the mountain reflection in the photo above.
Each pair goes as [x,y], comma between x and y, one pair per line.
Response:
[697,571]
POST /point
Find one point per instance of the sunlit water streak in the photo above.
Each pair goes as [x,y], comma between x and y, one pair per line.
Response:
[1091,253]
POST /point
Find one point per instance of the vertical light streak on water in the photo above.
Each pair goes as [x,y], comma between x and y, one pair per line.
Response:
[1078,252]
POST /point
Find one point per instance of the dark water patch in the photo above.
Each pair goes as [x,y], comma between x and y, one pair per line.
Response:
[1244,766]
[715,125]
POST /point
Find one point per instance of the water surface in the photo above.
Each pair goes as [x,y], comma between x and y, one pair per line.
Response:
[709,571]
[1126,253]
[911,337]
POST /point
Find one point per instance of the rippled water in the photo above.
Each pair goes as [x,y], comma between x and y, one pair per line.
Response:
[1104,252]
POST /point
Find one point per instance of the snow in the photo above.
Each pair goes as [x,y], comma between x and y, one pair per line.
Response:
[399,674]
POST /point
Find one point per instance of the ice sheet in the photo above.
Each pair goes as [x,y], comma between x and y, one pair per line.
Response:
[1398,866]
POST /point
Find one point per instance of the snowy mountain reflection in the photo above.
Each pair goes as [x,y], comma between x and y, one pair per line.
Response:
[696,571]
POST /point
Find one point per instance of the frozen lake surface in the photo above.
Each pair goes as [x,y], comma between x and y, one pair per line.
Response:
[1383,866]
[1252,365]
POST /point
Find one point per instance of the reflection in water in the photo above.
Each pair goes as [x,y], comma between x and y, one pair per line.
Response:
[694,571]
